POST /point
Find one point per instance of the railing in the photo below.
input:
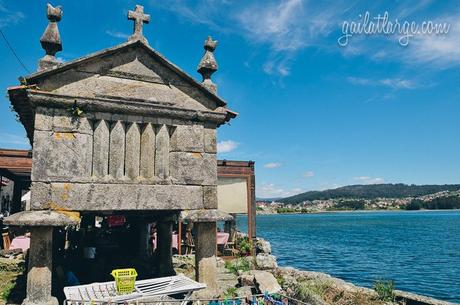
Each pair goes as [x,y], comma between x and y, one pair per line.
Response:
[257,299]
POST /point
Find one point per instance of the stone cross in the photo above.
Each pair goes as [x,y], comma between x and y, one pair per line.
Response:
[139,19]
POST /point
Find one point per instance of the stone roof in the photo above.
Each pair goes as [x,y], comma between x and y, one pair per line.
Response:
[130,75]
[41,218]
[37,76]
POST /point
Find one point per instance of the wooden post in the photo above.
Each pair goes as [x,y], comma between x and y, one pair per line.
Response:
[179,237]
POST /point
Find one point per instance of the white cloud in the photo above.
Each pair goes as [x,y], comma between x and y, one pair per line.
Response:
[439,50]
[285,26]
[275,24]
[398,83]
[395,83]
[369,180]
[308,174]
[9,17]
[117,34]
[226,146]
[270,190]
[272,165]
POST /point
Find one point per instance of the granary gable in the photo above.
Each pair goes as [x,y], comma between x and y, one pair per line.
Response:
[131,78]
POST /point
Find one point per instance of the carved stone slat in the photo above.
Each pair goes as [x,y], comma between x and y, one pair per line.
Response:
[133,143]
[101,149]
[147,166]
[117,150]
[162,152]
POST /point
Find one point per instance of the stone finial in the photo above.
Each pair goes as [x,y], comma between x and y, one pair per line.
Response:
[51,40]
[208,64]
[139,19]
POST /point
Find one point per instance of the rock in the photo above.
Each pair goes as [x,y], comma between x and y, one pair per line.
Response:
[263,246]
[246,279]
[220,262]
[183,261]
[265,282]
[207,270]
[266,261]
[244,292]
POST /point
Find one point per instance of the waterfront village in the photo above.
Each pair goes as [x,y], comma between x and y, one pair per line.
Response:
[349,204]
[122,199]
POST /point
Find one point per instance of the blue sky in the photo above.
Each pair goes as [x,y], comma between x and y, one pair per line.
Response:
[313,114]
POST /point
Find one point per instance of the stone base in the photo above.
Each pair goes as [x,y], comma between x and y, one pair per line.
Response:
[50,301]
[208,275]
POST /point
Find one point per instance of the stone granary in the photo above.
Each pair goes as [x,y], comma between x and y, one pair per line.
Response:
[122,130]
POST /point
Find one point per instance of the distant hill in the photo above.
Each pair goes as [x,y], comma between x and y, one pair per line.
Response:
[268,199]
[372,191]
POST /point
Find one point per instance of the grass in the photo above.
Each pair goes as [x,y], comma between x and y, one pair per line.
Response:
[12,280]
[310,290]
[325,292]
[7,284]
[385,290]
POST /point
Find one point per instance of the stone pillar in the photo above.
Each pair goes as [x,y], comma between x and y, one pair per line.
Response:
[164,250]
[205,254]
[40,267]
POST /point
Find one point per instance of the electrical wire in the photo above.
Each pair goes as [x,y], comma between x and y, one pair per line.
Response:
[14,52]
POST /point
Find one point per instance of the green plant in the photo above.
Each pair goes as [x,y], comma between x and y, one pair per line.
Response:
[239,264]
[75,110]
[230,293]
[5,293]
[281,280]
[385,290]
[6,286]
[244,246]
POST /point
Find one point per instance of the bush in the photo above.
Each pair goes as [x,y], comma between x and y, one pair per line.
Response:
[243,246]
[239,264]
[385,290]
[440,203]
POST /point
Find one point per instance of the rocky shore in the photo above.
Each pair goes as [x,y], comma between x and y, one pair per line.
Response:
[245,276]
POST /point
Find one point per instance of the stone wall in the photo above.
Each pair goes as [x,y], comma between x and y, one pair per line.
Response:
[92,162]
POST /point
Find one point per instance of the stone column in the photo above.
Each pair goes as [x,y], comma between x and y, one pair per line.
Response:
[40,267]
[205,254]
[204,222]
[164,250]
[41,224]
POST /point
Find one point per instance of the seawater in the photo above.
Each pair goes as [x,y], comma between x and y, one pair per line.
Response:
[419,250]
